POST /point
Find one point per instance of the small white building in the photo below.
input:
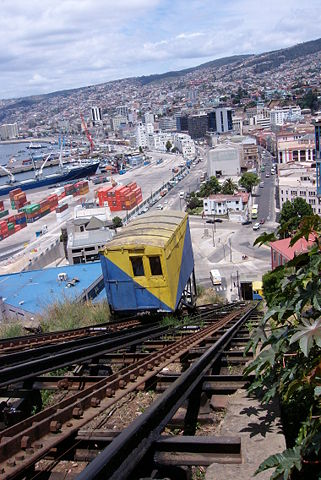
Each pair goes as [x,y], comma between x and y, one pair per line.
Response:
[185,145]
[224,160]
[221,204]
[157,141]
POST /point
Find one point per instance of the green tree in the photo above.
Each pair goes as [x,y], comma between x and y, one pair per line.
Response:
[229,187]
[168,145]
[271,283]
[117,222]
[292,214]
[248,181]
[194,202]
[288,364]
[212,186]
[310,100]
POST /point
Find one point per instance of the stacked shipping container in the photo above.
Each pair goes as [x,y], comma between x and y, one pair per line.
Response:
[18,198]
[121,197]
[12,224]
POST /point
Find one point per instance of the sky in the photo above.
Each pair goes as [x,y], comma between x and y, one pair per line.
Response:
[50,45]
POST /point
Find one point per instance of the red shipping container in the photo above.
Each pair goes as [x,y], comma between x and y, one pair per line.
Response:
[14,192]
[17,228]
[1,206]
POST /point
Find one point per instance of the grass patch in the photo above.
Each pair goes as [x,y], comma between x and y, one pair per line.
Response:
[208,295]
[66,315]
[10,330]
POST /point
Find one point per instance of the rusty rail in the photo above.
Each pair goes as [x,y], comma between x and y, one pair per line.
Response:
[26,442]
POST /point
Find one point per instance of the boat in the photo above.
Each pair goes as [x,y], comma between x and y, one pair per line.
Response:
[34,146]
[67,174]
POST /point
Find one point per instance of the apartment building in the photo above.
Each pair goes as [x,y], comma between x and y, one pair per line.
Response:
[8,131]
[302,150]
[298,181]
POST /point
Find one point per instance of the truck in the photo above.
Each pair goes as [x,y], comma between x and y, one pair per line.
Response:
[215,277]
[42,231]
[203,176]
[254,211]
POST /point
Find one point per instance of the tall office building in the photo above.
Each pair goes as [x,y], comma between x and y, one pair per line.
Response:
[317,127]
[96,116]
[181,122]
[197,125]
[220,120]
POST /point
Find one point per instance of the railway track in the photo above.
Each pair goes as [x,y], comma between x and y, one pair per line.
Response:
[13,344]
[25,443]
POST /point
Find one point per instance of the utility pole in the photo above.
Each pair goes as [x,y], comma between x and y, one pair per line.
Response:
[229,241]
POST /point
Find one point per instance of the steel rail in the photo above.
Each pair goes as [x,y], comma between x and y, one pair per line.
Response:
[43,431]
[120,458]
[18,366]
[11,359]
[70,356]
[27,341]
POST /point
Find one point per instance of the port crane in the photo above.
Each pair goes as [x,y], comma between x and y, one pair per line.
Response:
[10,174]
[89,137]
[38,174]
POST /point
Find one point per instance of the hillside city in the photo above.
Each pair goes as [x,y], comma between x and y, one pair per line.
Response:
[147,222]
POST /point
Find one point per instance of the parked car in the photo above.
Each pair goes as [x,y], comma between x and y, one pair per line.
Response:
[267,175]
[256,226]
[214,220]
[159,207]
[262,221]
[247,222]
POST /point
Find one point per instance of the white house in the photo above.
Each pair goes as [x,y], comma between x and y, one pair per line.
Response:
[221,204]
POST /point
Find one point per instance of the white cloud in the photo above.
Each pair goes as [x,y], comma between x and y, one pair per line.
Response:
[67,43]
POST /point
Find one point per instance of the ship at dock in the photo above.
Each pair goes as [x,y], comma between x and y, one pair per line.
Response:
[67,173]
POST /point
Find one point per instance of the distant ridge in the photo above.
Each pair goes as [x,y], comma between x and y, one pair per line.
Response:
[220,62]
[257,62]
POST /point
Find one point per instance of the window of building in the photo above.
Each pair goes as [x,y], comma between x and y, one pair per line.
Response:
[302,193]
[155,266]
[138,267]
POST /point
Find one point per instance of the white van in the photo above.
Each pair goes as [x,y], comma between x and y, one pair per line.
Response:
[181,194]
[215,277]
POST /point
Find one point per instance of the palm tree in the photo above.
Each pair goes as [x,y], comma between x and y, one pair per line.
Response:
[229,187]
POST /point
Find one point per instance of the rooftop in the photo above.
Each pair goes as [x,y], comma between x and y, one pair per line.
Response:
[33,291]
[301,246]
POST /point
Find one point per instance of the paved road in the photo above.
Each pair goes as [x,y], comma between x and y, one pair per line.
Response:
[265,198]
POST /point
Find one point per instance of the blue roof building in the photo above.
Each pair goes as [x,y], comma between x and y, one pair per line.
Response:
[25,294]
